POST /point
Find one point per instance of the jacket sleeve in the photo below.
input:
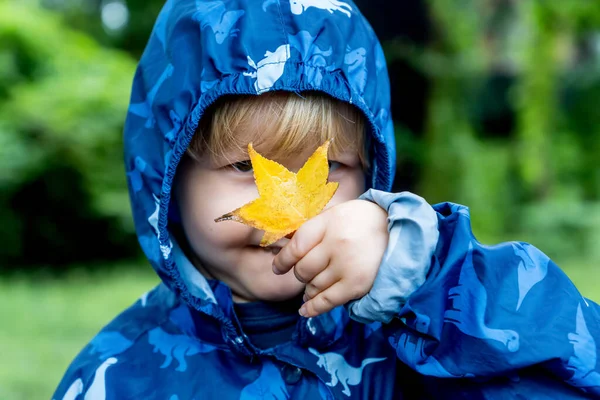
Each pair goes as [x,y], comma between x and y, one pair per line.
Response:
[486,311]
[413,237]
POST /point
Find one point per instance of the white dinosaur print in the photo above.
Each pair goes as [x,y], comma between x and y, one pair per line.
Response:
[340,370]
[144,298]
[584,358]
[311,326]
[299,6]
[153,220]
[268,70]
[74,390]
[97,390]
[196,283]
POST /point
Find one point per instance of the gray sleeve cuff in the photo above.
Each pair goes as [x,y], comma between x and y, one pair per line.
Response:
[413,228]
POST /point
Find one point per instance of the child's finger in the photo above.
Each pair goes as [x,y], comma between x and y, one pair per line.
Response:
[312,264]
[320,283]
[304,240]
[334,296]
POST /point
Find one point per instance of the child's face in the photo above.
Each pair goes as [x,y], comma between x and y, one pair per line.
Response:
[229,251]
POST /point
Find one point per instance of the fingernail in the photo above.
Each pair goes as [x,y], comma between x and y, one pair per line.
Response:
[275,270]
[304,298]
[302,311]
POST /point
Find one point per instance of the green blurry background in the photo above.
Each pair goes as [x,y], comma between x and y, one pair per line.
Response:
[496,102]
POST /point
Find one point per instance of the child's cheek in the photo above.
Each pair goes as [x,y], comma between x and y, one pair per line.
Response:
[231,234]
[209,236]
[352,185]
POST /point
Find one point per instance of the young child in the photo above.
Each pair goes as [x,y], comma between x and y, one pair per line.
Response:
[381,296]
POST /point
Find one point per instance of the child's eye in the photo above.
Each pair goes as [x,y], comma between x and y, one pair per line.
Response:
[242,166]
[333,165]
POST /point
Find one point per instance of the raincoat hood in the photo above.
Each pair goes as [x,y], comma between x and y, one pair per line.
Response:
[201,50]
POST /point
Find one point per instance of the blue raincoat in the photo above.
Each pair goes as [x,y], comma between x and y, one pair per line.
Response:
[483,323]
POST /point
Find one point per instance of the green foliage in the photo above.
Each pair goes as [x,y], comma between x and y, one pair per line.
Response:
[533,68]
[84,15]
[62,107]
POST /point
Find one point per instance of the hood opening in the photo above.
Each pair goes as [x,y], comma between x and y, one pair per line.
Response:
[190,62]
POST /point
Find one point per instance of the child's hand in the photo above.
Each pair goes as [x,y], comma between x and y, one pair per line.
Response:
[337,254]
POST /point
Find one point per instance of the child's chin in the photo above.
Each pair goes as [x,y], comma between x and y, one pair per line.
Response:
[283,294]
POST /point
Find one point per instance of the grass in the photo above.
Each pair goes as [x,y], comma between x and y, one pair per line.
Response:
[45,322]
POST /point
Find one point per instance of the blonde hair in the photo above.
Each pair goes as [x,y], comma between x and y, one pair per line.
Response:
[288,123]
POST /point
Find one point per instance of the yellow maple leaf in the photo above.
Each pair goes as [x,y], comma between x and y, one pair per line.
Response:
[287,200]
